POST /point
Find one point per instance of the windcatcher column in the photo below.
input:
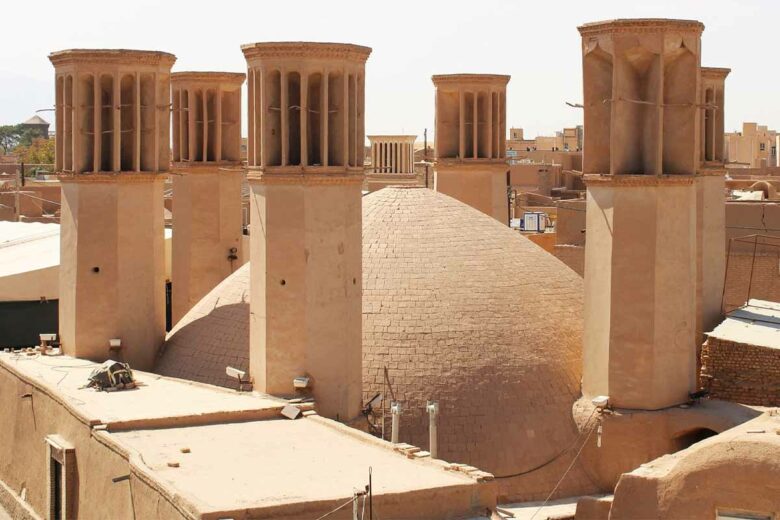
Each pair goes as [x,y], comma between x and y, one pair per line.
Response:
[711,202]
[641,153]
[207,219]
[112,112]
[471,141]
[305,159]
[392,154]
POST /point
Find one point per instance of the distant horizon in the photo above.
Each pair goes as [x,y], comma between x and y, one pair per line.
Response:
[538,46]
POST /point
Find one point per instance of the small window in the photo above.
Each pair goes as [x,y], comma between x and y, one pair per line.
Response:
[62,460]
[762,146]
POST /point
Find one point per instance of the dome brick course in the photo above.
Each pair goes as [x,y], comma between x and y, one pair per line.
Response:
[460,309]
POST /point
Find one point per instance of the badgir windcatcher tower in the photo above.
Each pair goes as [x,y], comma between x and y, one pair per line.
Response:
[402,353]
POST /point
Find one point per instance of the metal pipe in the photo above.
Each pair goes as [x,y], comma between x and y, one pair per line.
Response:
[395,410]
[433,413]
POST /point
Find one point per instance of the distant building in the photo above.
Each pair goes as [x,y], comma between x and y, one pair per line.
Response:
[567,140]
[754,147]
[38,125]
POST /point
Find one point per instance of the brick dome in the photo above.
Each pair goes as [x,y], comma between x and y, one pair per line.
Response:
[460,309]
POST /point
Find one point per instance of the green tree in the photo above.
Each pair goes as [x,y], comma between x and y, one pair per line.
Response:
[39,151]
[13,135]
[9,137]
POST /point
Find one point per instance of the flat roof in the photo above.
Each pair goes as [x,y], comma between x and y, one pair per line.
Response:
[28,246]
[32,246]
[217,451]
[265,464]
[756,323]
[157,401]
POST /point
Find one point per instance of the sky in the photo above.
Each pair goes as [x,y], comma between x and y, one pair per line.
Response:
[537,43]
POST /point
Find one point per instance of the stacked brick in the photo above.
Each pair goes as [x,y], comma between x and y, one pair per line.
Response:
[741,373]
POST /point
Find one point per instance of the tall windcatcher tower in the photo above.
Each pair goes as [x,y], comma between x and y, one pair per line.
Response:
[641,154]
[710,202]
[207,217]
[471,141]
[305,169]
[112,117]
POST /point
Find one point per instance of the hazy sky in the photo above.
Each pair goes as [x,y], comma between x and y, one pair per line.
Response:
[537,43]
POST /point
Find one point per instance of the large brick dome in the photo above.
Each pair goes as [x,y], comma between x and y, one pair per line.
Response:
[459,309]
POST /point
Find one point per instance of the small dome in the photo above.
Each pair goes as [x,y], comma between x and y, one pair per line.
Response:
[212,335]
[460,309]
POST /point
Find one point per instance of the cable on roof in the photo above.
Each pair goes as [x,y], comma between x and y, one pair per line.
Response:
[556,457]
[342,506]
[39,198]
[577,456]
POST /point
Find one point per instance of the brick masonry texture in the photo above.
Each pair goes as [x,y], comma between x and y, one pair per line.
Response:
[742,373]
[460,309]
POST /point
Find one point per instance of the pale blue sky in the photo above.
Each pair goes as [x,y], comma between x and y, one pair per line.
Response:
[537,43]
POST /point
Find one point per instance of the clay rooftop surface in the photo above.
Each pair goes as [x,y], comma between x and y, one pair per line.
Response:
[157,401]
[757,323]
[28,246]
[265,464]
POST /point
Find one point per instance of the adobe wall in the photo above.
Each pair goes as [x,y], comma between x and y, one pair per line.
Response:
[572,256]
[482,187]
[734,472]
[23,457]
[544,240]
[538,178]
[742,219]
[741,373]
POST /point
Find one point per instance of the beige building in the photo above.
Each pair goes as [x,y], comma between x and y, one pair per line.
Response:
[392,161]
[754,147]
[112,275]
[567,140]
[471,141]
[306,155]
[405,314]
[207,214]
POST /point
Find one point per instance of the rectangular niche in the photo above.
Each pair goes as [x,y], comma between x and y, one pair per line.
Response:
[68,141]
[86,123]
[107,123]
[336,116]
[176,110]
[468,125]
[636,113]
[314,121]
[59,122]
[447,123]
[597,73]
[148,113]
[198,113]
[352,127]
[185,125]
[231,126]
[211,125]
[680,112]
[273,116]
[483,130]
[294,119]
[127,115]
[495,129]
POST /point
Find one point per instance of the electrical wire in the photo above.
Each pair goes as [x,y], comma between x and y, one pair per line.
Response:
[577,456]
[556,457]
[342,506]
[39,198]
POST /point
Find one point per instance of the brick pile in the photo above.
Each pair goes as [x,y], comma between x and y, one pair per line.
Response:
[740,372]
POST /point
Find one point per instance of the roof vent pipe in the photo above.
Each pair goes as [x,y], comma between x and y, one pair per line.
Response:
[395,410]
